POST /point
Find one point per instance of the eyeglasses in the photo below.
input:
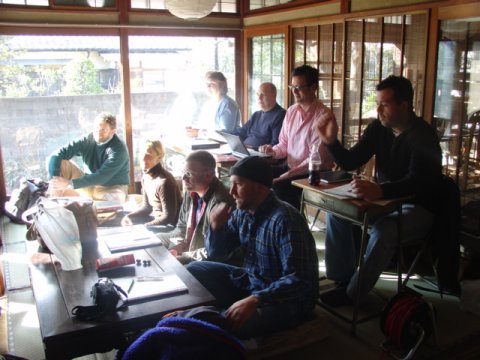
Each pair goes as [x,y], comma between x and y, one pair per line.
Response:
[297,87]
[189,174]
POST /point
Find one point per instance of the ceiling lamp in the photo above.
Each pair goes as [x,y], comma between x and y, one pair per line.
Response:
[190,9]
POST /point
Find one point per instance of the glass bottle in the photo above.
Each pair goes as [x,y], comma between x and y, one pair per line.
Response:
[314,165]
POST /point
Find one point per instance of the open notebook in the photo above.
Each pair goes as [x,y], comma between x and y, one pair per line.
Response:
[147,287]
[122,238]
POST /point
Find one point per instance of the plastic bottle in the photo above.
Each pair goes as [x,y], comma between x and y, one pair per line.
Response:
[314,165]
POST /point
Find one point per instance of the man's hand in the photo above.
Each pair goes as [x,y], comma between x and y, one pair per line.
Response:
[126,221]
[366,189]
[58,183]
[266,149]
[58,186]
[326,127]
[241,311]
[219,215]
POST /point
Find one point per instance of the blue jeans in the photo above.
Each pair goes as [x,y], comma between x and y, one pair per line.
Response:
[340,248]
[267,319]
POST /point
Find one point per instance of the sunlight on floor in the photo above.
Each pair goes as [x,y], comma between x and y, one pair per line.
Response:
[18,258]
[393,277]
[29,319]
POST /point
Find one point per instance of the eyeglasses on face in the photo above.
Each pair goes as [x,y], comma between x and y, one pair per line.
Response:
[297,87]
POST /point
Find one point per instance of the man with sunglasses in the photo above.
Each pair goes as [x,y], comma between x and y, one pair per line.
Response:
[298,135]
[202,191]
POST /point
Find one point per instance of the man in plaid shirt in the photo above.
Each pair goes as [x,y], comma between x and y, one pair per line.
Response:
[277,285]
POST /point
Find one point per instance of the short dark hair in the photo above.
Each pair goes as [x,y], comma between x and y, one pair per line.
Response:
[310,73]
[204,158]
[402,89]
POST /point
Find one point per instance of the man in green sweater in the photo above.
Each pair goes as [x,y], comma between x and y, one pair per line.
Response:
[106,161]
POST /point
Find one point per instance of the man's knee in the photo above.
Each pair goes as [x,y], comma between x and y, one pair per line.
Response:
[195,268]
[69,170]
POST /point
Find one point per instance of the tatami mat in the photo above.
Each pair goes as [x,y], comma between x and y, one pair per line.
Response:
[22,331]
[331,337]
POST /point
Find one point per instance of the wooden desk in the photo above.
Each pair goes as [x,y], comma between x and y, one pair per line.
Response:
[358,211]
[57,291]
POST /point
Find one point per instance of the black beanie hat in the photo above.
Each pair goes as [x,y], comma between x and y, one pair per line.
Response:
[254,168]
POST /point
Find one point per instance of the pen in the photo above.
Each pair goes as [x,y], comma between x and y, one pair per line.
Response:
[142,238]
[131,286]
[150,278]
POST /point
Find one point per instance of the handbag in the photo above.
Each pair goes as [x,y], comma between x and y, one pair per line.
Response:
[86,216]
[57,228]
[24,197]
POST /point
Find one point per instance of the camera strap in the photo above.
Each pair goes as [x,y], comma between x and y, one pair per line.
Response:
[100,309]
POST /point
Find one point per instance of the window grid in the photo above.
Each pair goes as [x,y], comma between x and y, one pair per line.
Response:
[267,66]
[374,48]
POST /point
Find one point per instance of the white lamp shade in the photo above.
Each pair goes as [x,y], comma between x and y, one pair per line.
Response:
[190,9]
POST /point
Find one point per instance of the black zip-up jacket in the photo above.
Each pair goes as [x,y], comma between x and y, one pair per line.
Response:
[407,164]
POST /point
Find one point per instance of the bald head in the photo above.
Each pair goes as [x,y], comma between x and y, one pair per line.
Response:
[267,96]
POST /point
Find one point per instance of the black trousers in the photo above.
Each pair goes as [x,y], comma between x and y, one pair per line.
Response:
[284,189]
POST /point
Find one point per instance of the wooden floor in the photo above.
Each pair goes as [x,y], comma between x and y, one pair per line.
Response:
[453,325]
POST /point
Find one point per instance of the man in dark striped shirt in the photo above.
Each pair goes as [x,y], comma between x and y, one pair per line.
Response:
[277,285]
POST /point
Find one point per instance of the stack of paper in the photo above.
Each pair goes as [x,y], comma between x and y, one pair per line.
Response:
[342,192]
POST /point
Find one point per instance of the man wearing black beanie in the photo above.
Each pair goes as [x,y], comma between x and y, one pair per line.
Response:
[277,285]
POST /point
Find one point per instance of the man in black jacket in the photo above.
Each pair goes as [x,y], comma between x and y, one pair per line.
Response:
[408,162]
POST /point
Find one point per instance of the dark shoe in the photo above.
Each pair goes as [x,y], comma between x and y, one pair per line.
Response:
[336,297]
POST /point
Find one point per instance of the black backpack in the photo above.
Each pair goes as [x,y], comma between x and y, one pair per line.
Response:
[24,197]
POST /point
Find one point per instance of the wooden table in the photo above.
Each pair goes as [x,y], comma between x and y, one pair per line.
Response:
[57,291]
[358,211]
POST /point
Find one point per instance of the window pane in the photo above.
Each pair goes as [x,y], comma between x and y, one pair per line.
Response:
[415,53]
[377,48]
[311,43]
[392,46]
[267,65]
[86,3]
[51,88]
[226,6]
[222,6]
[259,4]
[372,47]
[148,4]
[299,46]
[457,99]
[353,84]
[167,76]
[25,2]
[326,39]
